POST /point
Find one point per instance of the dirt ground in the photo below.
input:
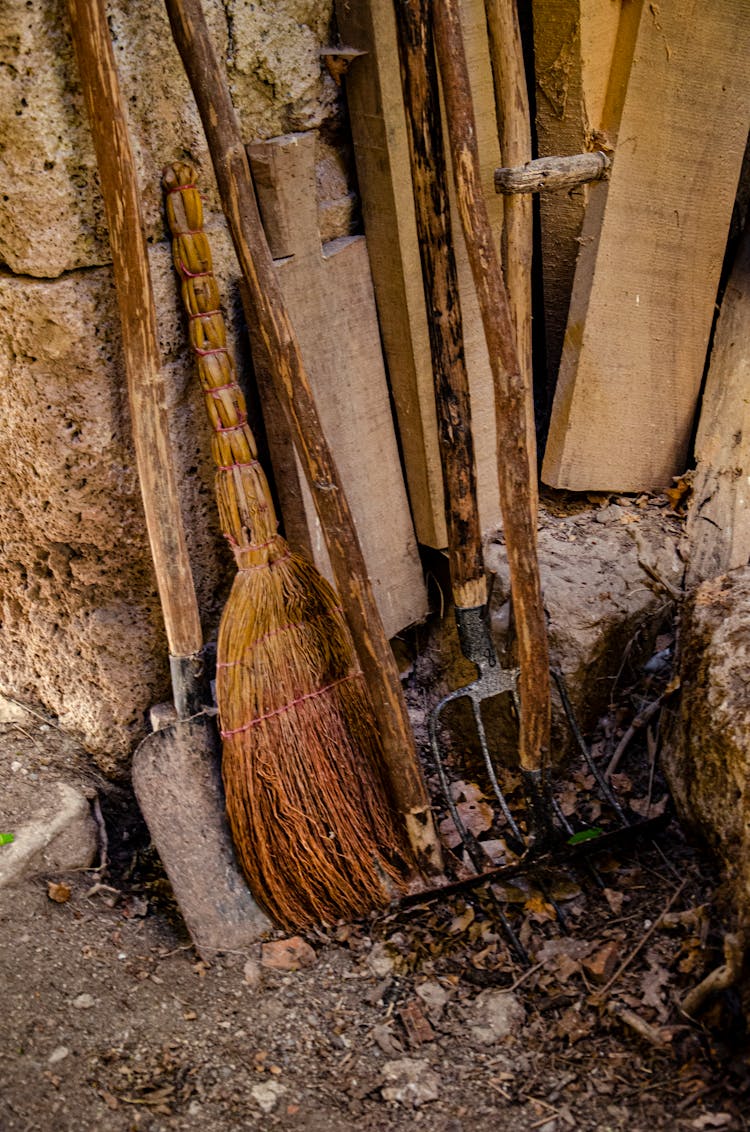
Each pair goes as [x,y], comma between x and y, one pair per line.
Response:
[418,1017]
[430,1015]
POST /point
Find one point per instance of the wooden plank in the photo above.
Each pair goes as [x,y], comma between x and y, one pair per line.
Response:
[652,246]
[574,41]
[329,295]
[373,89]
[718,527]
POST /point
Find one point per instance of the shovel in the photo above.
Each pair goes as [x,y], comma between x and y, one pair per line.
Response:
[175,770]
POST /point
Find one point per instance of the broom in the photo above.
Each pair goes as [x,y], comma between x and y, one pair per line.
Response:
[306,803]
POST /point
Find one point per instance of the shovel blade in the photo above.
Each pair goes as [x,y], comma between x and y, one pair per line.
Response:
[177,781]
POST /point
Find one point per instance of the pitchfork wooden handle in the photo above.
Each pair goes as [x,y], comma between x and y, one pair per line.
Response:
[422,106]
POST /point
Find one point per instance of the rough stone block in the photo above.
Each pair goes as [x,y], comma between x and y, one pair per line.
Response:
[707,748]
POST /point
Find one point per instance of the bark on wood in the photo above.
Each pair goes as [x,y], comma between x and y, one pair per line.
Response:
[514,129]
[373,91]
[232,170]
[121,193]
[718,527]
[550,174]
[513,461]
[432,208]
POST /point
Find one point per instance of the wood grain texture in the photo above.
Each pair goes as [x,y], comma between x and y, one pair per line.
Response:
[121,193]
[718,527]
[651,253]
[432,208]
[211,92]
[329,295]
[516,496]
[376,112]
[574,42]
[551,174]
[514,135]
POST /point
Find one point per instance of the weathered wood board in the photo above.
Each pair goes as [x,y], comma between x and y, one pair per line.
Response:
[328,291]
[574,41]
[373,90]
[718,527]
[651,252]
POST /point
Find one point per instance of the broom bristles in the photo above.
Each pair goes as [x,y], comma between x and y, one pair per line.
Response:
[302,760]
[308,811]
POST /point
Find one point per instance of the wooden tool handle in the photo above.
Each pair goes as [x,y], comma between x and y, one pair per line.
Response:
[107,117]
[516,496]
[432,207]
[232,169]
[246,510]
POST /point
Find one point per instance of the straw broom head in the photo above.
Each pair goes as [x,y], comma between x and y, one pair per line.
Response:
[306,803]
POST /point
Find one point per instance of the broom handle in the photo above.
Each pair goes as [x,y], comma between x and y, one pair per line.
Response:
[516,496]
[119,184]
[452,400]
[292,385]
[246,509]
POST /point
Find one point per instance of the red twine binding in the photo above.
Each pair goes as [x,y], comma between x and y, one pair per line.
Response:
[287,707]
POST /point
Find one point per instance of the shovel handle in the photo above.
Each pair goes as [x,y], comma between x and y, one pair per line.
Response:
[119,184]
[514,478]
[432,208]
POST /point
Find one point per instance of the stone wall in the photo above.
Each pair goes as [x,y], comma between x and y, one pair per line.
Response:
[80,621]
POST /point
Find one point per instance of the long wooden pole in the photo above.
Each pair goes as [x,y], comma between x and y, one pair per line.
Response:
[432,207]
[120,190]
[516,497]
[211,92]
[514,134]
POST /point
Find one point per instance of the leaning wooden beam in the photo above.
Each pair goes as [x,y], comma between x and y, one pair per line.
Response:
[651,252]
[718,527]
[550,174]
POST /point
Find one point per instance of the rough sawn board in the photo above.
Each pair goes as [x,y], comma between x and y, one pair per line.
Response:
[651,252]
[328,291]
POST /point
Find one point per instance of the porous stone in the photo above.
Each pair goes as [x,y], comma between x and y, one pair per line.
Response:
[82,625]
[82,628]
[496,1015]
[707,746]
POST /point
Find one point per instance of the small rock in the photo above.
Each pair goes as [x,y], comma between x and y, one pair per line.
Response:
[268,1094]
[287,954]
[252,974]
[84,1002]
[434,997]
[409,1081]
[499,1014]
[58,1054]
[379,961]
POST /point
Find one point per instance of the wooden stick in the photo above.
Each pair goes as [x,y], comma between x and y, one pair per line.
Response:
[514,129]
[548,174]
[432,207]
[211,92]
[516,497]
[119,183]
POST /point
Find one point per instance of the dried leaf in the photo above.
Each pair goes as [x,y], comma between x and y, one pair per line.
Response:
[615,900]
[573,1026]
[461,923]
[60,893]
[539,909]
[646,809]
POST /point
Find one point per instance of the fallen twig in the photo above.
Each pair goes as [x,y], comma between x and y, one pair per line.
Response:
[641,1027]
[721,978]
[640,721]
[599,997]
